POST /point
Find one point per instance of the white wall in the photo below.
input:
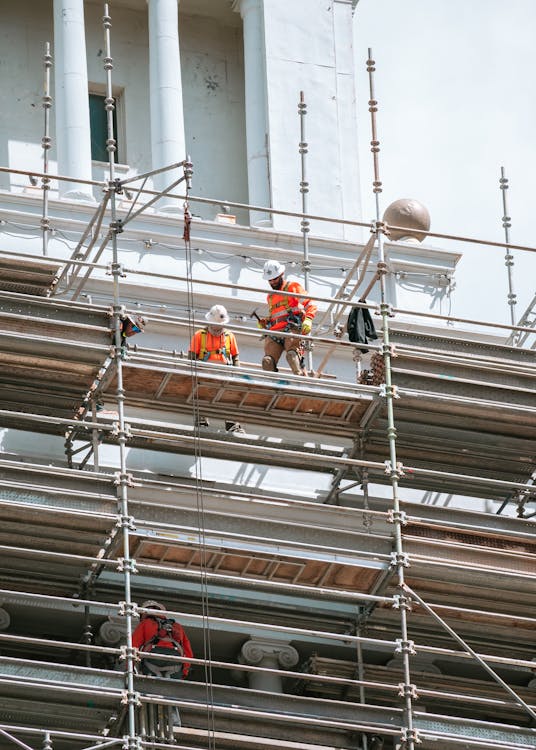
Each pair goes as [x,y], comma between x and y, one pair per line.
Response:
[309,48]
[213,94]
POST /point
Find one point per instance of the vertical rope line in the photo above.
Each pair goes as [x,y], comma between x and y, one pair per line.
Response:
[199,497]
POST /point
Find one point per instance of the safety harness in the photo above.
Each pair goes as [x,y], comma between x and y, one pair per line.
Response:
[164,634]
[282,309]
[204,353]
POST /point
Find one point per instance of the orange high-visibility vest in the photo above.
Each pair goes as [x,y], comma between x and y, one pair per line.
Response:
[285,310]
[210,348]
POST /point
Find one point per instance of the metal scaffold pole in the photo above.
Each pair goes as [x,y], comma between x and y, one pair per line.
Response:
[508,258]
[398,517]
[127,564]
[46,142]
[304,223]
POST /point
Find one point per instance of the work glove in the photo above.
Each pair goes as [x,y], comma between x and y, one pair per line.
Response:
[262,322]
[306,326]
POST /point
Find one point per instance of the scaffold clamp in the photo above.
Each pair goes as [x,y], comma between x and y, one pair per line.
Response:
[399,559]
[397,516]
[408,690]
[132,743]
[126,652]
[397,472]
[127,478]
[410,735]
[126,522]
[130,698]
[405,647]
[128,609]
[115,269]
[389,349]
[126,565]
[400,601]
[389,391]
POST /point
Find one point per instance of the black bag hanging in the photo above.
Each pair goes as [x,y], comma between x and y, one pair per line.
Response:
[360,326]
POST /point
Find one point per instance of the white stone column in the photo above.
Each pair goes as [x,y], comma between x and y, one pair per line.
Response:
[168,143]
[269,654]
[73,136]
[256,107]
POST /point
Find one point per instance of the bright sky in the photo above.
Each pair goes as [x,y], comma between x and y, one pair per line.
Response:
[456,86]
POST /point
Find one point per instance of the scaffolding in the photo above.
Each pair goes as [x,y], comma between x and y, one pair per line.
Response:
[389,621]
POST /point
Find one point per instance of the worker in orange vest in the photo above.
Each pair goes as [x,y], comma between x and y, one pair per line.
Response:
[288,314]
[214,343]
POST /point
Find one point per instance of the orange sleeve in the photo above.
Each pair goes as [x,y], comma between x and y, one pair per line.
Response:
[233,345]
[195,343]
[309,306]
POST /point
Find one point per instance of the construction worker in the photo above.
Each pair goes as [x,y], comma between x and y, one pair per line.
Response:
[161,635]
[215,343]
[286,313]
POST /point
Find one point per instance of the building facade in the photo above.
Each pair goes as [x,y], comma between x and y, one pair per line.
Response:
[351,569]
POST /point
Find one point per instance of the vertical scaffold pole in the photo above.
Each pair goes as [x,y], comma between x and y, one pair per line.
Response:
[508,258]
[399,558]
[304,224]
[46,142]
[128,565]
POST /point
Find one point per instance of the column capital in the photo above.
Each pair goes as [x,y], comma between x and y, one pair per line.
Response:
[257,651]
[113,630]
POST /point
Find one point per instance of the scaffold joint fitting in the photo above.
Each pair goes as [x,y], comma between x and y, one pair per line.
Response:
[379,226]
[401,602]
[126,652]
[389,391]
[399,559]
[404,647]
[127,432]
[126,522]
[130,610]
[386,308]
[132,743]
[397,472]
[410,735]
[125,478]
[130,698]
[382,269]
[408,691]
[389,349]
[115,269]
[397,516]
[126,565]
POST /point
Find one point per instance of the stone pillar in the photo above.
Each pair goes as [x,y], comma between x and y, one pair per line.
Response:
[269,654]
[168,143]
[256,108]
[73,136]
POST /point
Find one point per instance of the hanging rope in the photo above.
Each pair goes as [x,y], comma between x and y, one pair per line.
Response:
[207,648]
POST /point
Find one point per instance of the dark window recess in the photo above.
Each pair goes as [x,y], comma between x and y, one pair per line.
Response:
[99,128]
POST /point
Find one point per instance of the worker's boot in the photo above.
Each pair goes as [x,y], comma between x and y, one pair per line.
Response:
[268,363]
[294,360]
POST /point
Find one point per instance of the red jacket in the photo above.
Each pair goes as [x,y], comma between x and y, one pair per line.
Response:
[144,635]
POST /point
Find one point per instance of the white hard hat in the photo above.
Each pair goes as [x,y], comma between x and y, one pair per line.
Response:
[151,604]
[217,315]
[272,269]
